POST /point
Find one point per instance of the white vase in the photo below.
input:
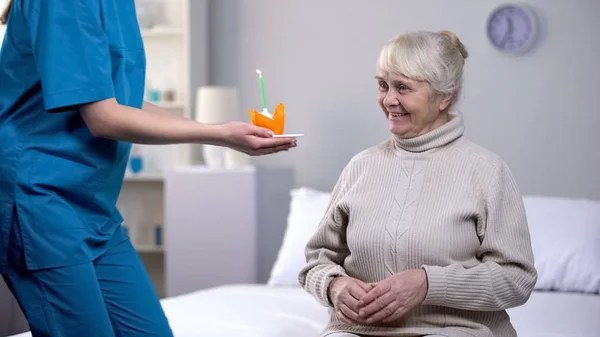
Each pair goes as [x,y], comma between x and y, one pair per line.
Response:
[216,105]
[214,156]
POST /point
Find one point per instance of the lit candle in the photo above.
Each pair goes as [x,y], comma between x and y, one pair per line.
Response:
[262,90]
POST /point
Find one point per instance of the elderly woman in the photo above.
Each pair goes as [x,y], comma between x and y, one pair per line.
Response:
[426,233]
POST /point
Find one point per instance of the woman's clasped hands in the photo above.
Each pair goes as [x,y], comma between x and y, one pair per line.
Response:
[360,303]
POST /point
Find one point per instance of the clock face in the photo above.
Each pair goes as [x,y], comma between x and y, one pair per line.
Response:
[511,28]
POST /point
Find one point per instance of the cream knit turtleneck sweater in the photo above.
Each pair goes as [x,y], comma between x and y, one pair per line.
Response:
[438,202]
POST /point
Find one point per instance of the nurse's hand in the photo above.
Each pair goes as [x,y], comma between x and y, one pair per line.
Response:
[111,120]
[252,140]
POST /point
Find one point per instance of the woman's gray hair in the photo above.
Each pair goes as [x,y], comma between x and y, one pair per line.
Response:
[434,57]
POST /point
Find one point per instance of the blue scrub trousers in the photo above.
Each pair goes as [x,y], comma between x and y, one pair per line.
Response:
[111,296]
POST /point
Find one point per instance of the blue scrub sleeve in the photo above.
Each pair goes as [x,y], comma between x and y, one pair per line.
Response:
[71,52]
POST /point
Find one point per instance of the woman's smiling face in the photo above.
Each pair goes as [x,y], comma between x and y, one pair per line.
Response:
[411,107]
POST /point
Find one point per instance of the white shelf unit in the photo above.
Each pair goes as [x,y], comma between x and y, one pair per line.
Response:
[149,177]
[163,32]
[167,46]
[141,201]
[175,105]
[141,204]
[149,248]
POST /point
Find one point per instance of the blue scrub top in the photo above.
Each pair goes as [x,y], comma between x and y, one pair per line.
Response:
[62,182]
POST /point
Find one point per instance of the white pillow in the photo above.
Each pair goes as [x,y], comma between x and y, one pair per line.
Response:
[307,208]
[565,235]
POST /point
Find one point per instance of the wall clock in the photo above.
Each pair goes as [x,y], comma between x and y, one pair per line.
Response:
[512,28]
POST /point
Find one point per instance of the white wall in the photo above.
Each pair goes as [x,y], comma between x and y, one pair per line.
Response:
[540,112]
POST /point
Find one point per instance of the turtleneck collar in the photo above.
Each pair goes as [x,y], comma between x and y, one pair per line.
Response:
[438,137]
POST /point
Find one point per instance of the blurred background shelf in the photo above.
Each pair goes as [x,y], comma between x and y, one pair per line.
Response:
[144,177]
[166,34]
[170,105]
[163,32]
[146,248]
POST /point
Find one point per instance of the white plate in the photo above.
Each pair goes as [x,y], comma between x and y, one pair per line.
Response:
[292,135]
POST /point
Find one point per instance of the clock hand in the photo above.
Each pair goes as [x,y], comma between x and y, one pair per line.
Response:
[508,32]
[504,38]
[510,29]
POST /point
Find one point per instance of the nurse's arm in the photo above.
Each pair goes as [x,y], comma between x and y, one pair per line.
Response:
[147,106]
[109,119]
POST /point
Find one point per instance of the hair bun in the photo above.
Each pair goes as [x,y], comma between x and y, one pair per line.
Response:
[456,42]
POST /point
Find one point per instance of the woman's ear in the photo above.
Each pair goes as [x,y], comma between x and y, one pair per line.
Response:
[445,101]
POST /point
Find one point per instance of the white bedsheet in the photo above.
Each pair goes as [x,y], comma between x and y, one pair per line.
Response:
[263,311]
[245,310]
[550,314]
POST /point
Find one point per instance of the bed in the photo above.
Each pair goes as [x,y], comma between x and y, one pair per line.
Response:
[272,311]
[566,302]
[269,311]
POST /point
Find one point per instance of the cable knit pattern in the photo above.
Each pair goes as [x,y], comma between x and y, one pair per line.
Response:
[403,210]
[437,202]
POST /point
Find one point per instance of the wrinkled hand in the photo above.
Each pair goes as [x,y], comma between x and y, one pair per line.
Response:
[253,140]
[345,293]
[393,297]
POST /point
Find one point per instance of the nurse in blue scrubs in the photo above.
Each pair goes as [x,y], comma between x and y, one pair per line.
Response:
[72,76]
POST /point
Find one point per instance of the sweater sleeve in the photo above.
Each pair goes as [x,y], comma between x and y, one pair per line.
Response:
[326,250]
[506,275]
